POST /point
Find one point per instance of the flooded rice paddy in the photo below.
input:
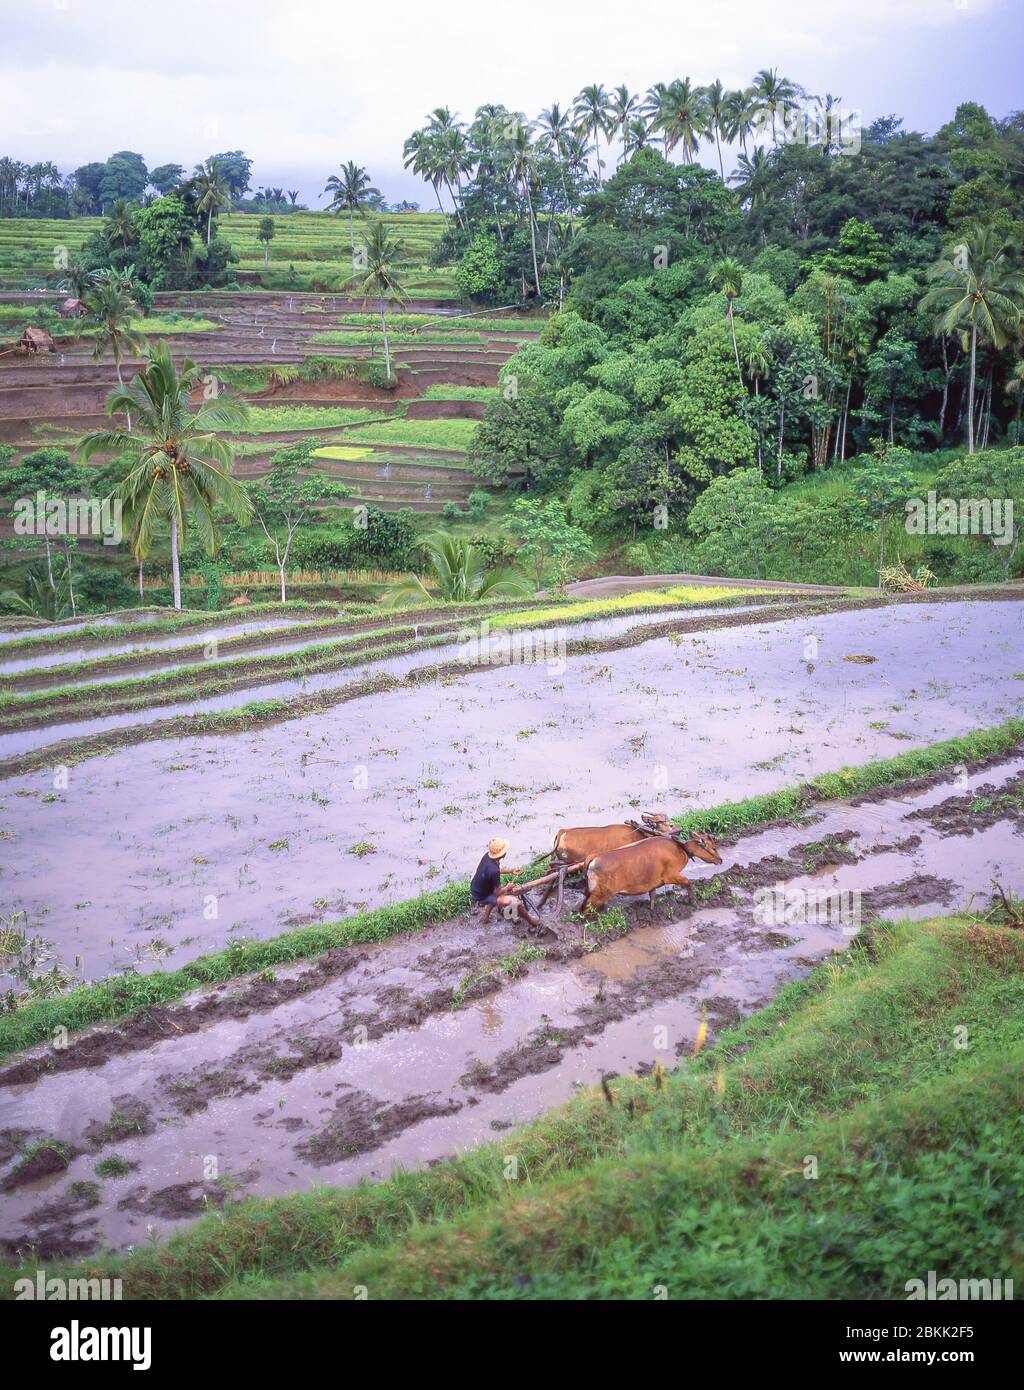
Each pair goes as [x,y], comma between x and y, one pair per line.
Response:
[401,1053]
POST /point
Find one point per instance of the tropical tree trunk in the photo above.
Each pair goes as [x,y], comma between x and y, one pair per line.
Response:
[71,582]
[209,223]
[782,425]
[735,349]
[175,564]
[970,388]
[351,234]
[533,238]
[142,587]
[881,547]
[387,350]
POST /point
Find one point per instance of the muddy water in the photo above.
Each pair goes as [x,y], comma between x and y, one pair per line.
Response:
[153,642]
[373,1061]
[126,865]
[297,635]
[28,739]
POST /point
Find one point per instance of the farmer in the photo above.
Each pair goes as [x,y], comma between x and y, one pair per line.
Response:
[486,889]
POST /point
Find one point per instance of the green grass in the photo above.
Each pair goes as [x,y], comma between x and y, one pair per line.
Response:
[357,337]
[698,1180]
[431,434]
[679,596]
[275,419]
[460,393]
[121,996]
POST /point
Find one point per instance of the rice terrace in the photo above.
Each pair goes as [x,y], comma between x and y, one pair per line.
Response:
[512,677]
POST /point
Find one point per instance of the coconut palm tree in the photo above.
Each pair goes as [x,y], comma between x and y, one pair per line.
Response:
[740,115]
[681,117]
[380,280]
[592,110]
[212,193]
[752,178]
[624,108]
[419,154]
[349,192]
[111,307]
[461,572]
[555,127]
[450,152]
[774,96]
[118,227]
[177,468]
[520,173]
[716,114]
[727,275]
[654,108]
[635,136]
[978,292]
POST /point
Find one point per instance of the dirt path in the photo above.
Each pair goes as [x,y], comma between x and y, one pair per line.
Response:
[401,1053]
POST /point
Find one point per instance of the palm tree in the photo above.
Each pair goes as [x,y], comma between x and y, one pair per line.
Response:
[77,278]
[740,110]
[727,275]
[774,96]
[118,227]
[978,292]
[1015,387]
[213,193]
[177,468]
[624,109]
[752,178]
[577,158]
[520,173]
[635,136]
[461,573]
[419,155]
[380,281]
[593,112]
[717,116]
[46,597]
[681,117]
[111,306]
[449,149]
[349,191]
[555,127]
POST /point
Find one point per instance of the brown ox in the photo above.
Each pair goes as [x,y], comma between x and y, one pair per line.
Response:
[646,866]
[580,843]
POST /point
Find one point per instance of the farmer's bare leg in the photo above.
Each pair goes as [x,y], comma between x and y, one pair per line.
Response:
[521,909]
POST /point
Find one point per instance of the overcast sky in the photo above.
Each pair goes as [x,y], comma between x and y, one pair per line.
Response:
[303,85]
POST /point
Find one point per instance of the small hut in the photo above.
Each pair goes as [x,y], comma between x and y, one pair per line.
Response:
[71,309]
[37,340]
